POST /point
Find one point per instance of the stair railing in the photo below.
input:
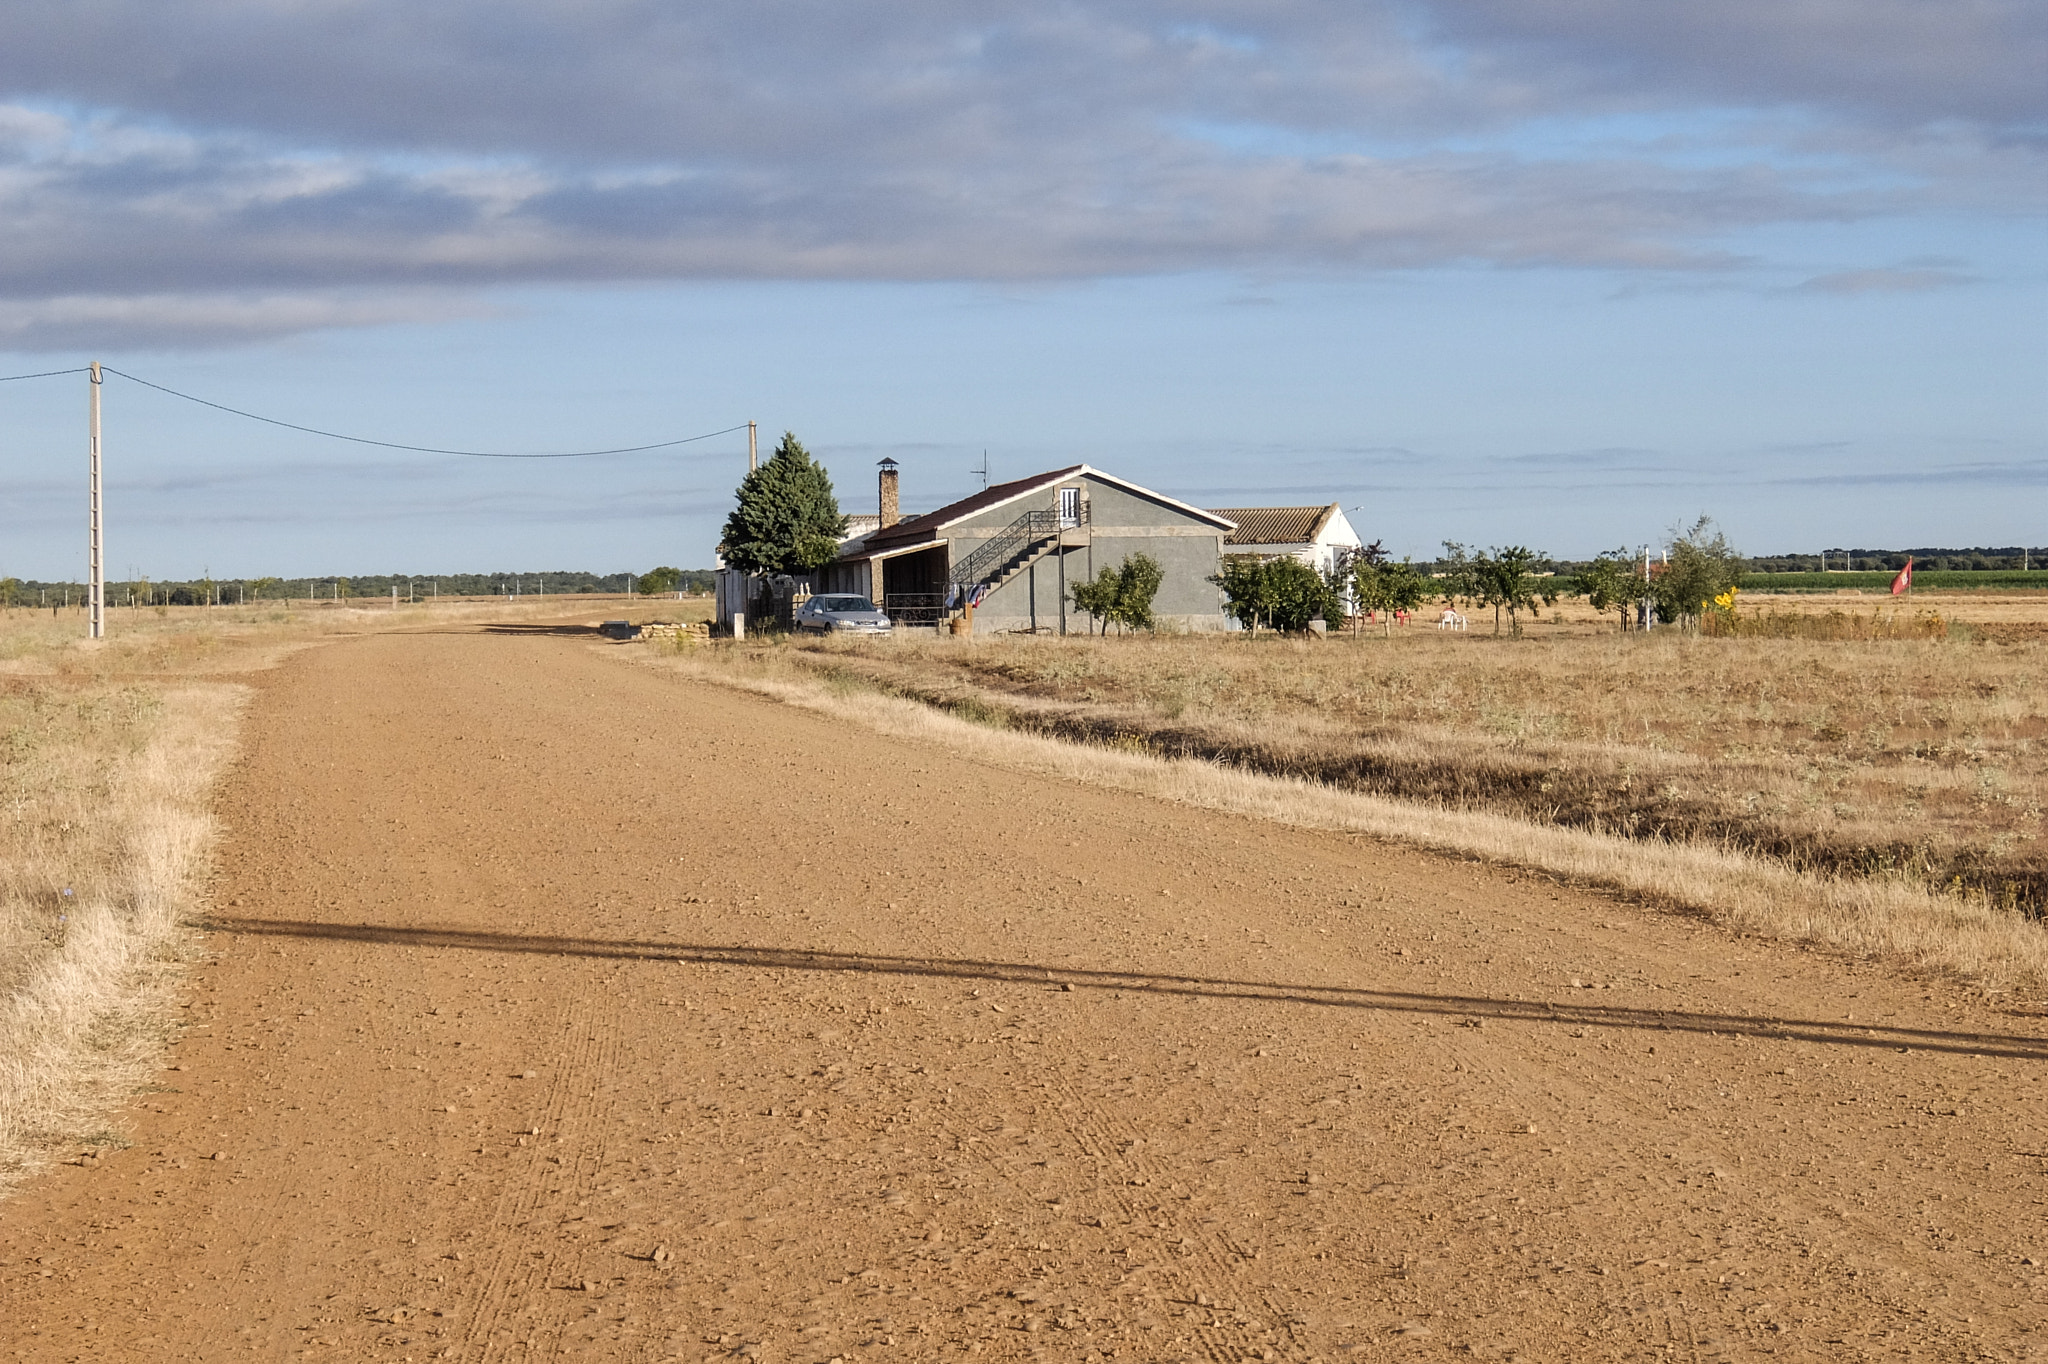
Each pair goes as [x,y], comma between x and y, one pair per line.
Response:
[1006,544]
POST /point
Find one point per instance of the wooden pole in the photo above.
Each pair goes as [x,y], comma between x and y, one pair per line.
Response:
[98,586]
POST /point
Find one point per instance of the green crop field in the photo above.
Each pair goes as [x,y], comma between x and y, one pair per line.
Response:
[1942,580]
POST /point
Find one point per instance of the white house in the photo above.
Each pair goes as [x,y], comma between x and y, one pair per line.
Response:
[1314,535]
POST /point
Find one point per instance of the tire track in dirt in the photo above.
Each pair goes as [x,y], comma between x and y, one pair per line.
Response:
[550,1184]
[1111,1146]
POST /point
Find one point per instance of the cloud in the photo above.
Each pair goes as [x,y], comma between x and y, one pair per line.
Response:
[1618,457]
[260,167]
[1902,62]
[1897,280]
[148,218]
[80,321]
[2018,473]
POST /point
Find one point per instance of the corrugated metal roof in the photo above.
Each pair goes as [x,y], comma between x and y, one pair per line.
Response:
[1276,525]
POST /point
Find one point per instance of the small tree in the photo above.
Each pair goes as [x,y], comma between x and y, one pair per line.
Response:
[1122,595]
[1387,587]
[1247,596]
[1610,583]
[1703,566]
[1457,581]
[659,582]
[10,588]
[787,519]
[1500,579]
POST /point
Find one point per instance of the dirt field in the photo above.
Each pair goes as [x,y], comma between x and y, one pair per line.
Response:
[564,1009]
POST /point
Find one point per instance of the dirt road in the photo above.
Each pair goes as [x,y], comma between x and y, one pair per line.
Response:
[563,1009]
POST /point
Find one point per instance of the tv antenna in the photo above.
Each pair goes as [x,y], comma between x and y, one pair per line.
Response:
[982,471]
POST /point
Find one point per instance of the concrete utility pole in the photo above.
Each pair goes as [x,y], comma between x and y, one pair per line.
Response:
[98,586]
[753,450]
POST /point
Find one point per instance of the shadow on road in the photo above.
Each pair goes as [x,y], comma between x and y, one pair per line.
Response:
[1475,1008]
[585,631]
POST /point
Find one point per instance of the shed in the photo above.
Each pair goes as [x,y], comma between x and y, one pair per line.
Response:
[1314,535]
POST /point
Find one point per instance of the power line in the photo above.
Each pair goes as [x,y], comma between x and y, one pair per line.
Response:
[46,374]
[417,449]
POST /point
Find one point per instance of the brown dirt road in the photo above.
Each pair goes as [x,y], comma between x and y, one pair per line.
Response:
[562,1009]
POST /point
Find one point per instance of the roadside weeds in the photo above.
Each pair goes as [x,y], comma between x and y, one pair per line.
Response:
[106,839]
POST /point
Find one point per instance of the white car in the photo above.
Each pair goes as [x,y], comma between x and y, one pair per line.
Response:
[836,613]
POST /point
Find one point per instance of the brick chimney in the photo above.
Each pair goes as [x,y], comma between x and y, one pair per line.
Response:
[890,514]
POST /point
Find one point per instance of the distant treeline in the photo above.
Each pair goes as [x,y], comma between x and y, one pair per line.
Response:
[411,587]
[1982,560]
[2014,559]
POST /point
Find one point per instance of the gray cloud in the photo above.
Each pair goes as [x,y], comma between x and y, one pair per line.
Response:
[1899,61]
[71,321]
[204,169]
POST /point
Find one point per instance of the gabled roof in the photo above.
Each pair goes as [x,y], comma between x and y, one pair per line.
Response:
[1278,525]
[864,523]
[932,525]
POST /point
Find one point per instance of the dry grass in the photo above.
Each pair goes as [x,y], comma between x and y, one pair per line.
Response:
[103,835]
[1833,625]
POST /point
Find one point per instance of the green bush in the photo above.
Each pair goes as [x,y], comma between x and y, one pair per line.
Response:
[1282,594]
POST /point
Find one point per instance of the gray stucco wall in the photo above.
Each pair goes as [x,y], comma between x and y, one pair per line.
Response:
[1189,550]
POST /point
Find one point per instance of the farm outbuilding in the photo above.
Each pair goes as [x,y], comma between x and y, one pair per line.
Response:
[1020,545]
[1314,535]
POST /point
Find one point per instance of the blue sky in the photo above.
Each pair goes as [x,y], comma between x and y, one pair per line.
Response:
[1557,272]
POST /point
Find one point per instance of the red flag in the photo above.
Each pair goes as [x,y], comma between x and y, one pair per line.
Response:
[1905,578]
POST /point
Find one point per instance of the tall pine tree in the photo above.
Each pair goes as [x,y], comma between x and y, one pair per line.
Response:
[787,519]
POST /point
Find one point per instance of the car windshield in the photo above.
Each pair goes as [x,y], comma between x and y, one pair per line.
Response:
[842,604]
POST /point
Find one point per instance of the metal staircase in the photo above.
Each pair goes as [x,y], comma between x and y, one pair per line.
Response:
[1015,548]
